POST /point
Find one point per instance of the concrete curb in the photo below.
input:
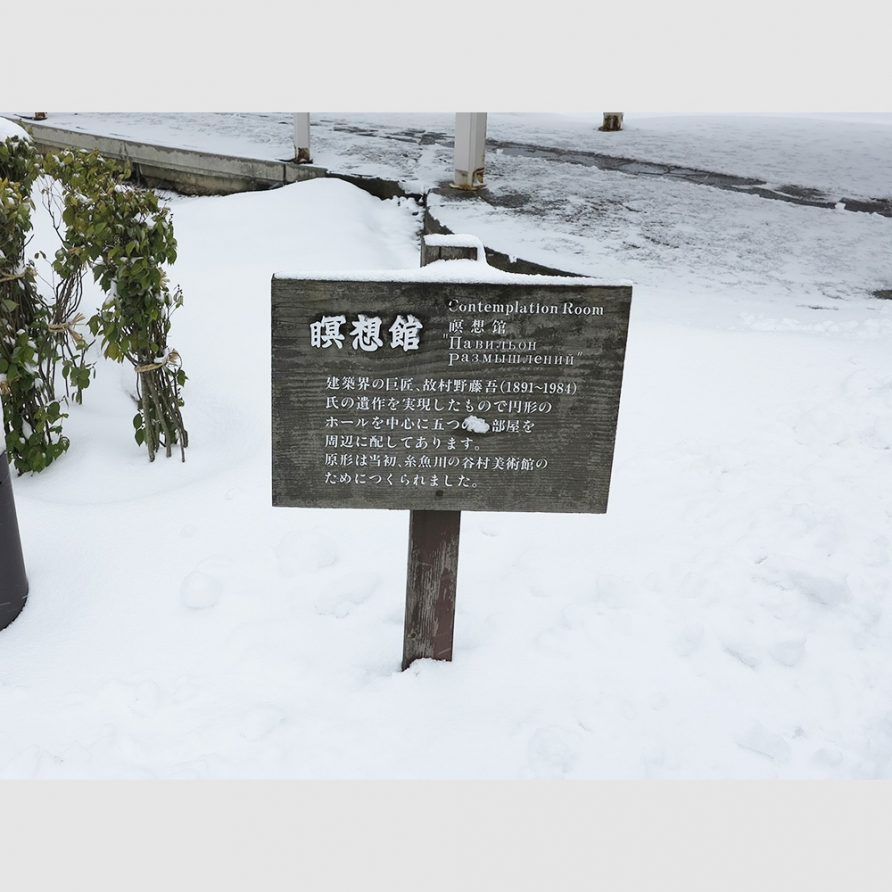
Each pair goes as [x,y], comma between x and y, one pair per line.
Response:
[189,171]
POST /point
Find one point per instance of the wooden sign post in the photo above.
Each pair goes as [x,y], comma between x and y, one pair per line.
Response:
[436,393]
[432,574]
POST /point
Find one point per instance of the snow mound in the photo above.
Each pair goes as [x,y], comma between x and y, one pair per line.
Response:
[8,129]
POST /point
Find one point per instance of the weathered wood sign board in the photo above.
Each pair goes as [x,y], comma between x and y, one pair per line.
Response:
[446,395]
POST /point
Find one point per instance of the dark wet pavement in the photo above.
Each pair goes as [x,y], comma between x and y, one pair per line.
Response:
[794,194]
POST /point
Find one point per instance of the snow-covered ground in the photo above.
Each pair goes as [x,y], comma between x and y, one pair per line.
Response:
[728,617]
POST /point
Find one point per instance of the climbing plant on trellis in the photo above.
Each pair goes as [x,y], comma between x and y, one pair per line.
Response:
[125,238]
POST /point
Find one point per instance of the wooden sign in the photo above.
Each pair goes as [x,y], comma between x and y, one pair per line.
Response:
[414,393]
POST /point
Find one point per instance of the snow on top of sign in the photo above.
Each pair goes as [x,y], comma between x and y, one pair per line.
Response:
[458,271]
[457,240]
[475,425]
[453,240]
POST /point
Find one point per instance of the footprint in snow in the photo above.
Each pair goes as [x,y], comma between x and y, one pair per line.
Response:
[147,697]
[762,741]
[658,701]
[342,594]
[612,591]
[628,710]
[302,552]
[741,651]
[821,589]
[197,769]
[141,698]
[200,590]
[24,765]
[260,721]
[689,640]
[550,753]
[827,757]
[788,653]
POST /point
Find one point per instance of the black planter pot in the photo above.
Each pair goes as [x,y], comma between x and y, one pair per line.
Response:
[13,582]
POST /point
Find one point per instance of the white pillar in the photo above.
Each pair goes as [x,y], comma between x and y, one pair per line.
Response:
[302,138]
[470,148]
[613,121]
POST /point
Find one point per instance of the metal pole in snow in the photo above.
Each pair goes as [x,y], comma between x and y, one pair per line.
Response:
[13,581]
